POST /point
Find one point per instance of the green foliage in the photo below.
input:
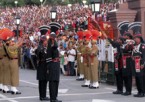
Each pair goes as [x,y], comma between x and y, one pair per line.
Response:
[49,2]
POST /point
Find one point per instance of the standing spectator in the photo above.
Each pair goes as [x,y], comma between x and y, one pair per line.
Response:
[71,59]
[66,63]
[33,55]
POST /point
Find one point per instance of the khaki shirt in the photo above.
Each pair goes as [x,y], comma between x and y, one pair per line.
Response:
[2,52]
[13,51]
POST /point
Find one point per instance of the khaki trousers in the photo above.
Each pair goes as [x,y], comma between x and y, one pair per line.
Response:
[6,71]
[94,70]
[1,71]
[14,72]
[87,72]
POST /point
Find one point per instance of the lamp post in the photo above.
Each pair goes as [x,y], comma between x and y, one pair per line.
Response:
[41,2]
[69,5]
[16,2]
[53,13]
[17,24]
[95,6]
[84,2]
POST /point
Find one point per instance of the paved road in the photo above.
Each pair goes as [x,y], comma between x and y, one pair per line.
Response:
[70,90]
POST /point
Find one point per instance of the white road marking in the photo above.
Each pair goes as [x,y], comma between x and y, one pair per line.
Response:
[63,91]
[113,89]
[28,82]
[59,91]
[7,99]
[98,100]
[74,94]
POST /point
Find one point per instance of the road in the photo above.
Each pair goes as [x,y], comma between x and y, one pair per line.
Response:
[70,90]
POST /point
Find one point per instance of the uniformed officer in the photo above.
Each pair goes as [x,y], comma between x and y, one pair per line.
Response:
[12,51]
[6,71]
[118,63]
[42,69]
[127,64]
[1,65]
[139,64]
[138,56]
[53,63]
[85,53]
[118,44]
[94,63]
[79,56]
[41,53]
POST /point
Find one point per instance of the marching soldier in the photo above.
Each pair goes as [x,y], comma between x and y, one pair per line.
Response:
[127,64]
[12,51]
[1,65]
[123,27]
[139,64]
[53,63]
[118,63]
[6,71]
[79,56]
[41,68]
[94,63]
[85,53]
[138,56]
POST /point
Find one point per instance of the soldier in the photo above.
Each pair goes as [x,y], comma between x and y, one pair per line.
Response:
[138,56]
[42,69]
[6,71]
[53,63]
[123,27]
[139,61]
[118,63]
[12,51]
[1,65]
[79,56]
[93,60]
[85,53]
[127,64]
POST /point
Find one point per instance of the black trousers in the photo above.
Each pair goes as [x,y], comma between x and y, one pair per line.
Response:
[42,88]
[128,83]
[71,67]
[53,89]
[140,83]
[119,81]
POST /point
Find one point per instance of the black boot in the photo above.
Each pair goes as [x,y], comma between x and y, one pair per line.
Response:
[126,93]
[44,99]
[139,95]
[117,92]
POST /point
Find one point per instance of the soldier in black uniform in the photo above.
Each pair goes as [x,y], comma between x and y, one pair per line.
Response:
[139,64]
[41,68]
[127,64]
[117,62]
[123,27]
[53,64]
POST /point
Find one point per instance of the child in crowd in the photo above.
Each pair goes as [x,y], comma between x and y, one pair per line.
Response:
[65,63]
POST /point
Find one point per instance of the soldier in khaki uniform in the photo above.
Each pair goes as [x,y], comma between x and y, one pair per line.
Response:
[6,71]
[85,53]
[79,56]
[1,65]
[12,51]
[94,63]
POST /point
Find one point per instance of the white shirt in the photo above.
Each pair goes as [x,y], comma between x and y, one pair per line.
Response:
[71,58]
[32,51]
